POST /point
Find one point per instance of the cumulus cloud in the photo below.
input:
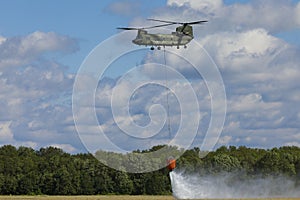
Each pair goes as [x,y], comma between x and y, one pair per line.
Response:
[271,15]
[259,71]
[209,6]
[19,51]
[249,51]
[297,13]
[125,8]
[35,92]
[258,68]
[274,16]
[134,116]
[5,132]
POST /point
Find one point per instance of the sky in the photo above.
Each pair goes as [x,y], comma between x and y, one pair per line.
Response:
[253,46]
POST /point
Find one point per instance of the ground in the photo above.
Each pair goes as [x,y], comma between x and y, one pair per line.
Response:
[102,197]
[108,197]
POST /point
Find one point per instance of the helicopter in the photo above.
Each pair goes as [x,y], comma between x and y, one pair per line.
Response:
[181,37]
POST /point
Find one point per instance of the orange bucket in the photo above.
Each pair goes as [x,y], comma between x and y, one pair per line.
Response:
[171,164]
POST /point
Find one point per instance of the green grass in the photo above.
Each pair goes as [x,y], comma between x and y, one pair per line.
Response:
[109,197]
[96,197]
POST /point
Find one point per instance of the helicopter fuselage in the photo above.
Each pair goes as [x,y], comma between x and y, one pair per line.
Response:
[182,36]
[173,39]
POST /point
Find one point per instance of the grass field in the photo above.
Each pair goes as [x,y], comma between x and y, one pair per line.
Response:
[102,197]
[108,197]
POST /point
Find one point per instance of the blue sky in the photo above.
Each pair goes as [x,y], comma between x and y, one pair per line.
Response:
[255,45]
[89,23]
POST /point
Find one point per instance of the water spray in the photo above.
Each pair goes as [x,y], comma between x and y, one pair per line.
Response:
[229,185]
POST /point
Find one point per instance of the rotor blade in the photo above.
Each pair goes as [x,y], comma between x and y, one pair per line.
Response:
[128,28]
[196,22]
[189,23]
[141,28]
[162,25]
[156,20]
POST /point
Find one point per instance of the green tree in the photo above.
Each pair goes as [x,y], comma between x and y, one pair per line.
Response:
[224,163]
[29,184]
[190,161]
[51,171]
[123,184]
[47,183]
[103,180]
[277,162]
[10,185]
[139,184]
[157,184]
[2,179]
[247,157]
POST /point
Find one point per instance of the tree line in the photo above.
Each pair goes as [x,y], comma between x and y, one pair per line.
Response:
[52,171]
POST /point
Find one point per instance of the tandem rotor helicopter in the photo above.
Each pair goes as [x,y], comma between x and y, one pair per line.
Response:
[181,37]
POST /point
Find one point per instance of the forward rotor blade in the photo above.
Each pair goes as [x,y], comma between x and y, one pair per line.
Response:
[141,28]
[127,28]
[162,25]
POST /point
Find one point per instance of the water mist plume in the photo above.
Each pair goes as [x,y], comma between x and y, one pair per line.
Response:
[229,185]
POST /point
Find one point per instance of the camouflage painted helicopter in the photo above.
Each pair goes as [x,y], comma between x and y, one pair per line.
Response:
[181,37]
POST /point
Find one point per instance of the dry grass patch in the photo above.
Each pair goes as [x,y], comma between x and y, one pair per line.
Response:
[100,197]
[115,197]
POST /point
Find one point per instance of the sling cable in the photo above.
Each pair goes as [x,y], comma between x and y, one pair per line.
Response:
[171,162]
[167,98]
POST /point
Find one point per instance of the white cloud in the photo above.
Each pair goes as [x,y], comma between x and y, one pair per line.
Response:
[224,140]
[2,39]
[18,51]
[250,102]
[6,134]
[258,68]
[35,93]
[249,51]
[207,6]
[297,13]
[260,72]
[139,108]
[38,42]
[125,7]
[297,144]
[66,147]
[272,15]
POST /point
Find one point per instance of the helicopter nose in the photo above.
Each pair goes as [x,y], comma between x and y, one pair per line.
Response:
[135,41]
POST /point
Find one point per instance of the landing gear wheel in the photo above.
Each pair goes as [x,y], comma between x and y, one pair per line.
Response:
[177,47]
[185,46]
[158,48]
[152,48]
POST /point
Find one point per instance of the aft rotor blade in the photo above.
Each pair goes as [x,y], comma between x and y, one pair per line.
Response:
[171,22]
[157,20]
[196,22]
